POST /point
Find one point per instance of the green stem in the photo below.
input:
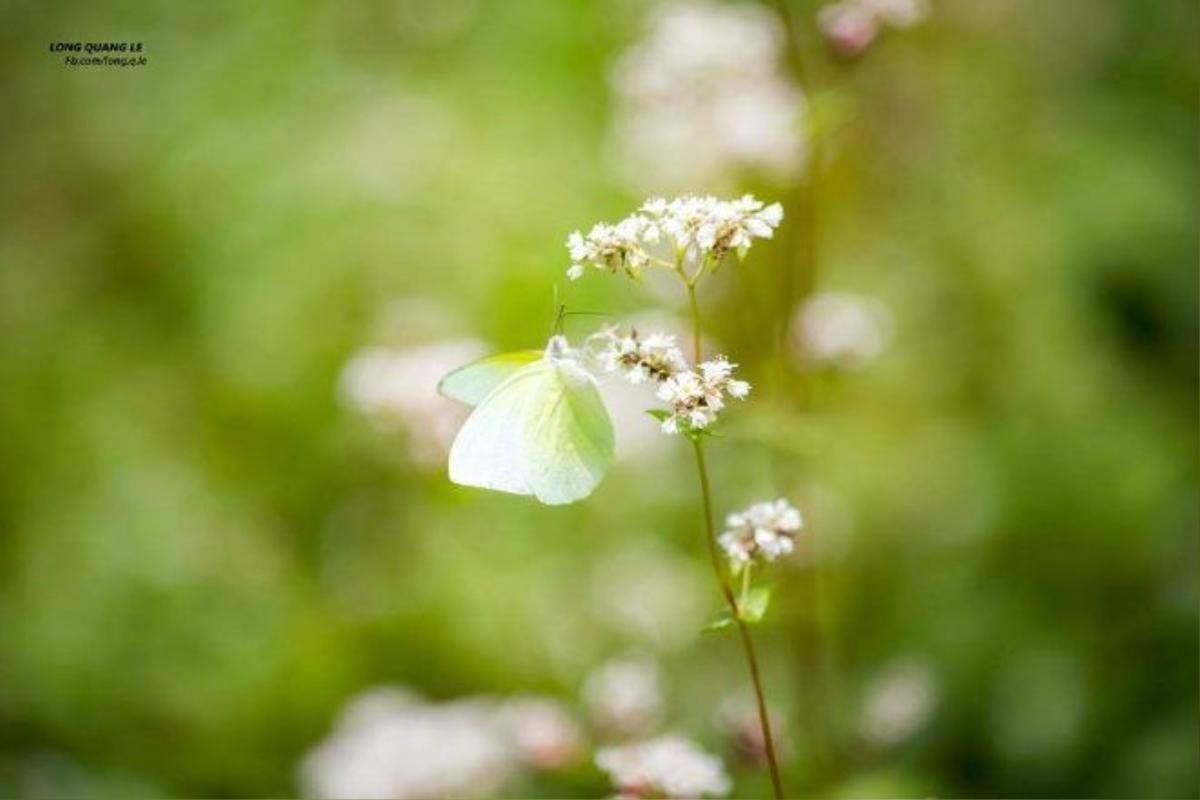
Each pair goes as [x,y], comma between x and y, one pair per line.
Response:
[696,353]
[764,719]
[714,556]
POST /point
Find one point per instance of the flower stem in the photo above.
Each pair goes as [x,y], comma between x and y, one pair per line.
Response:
[764,720]
[697,355]
[714,555]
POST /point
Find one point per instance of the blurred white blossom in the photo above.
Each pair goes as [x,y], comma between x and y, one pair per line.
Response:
[668,766]
[897,702]
[703,229]
[850,26]
[764,531]
[737,718]
[704,97]
[543,731]
[389,744]
[398,388]
[624,697]
[841,329]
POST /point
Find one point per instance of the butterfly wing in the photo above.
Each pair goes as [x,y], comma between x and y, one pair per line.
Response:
[544,431]
[475,381]
[570,438]
[489,449]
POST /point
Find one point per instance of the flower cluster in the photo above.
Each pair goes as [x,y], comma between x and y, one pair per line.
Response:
[610,247]
[389,742]
[654,358]
[624,697]
[695,229]
[693,396]
[763,531]
[850,26]
[668,766]
[704,98]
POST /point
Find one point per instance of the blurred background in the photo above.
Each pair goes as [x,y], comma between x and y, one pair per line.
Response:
[231,563]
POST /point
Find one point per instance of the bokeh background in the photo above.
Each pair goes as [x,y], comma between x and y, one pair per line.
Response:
[228,280]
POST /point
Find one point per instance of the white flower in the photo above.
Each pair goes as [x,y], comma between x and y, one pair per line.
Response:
[399,386]
[897,702]
[764,531]
[850,26]
[624,697]
[389,744]
[694,399]
[668,766]
[704,97]
[543,731]
[654,358]
[841,329]
[611,248]
[703,228]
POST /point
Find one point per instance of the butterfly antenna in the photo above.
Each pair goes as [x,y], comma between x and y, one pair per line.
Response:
[588,314]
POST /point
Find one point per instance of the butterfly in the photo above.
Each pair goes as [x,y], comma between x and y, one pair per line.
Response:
[538,427]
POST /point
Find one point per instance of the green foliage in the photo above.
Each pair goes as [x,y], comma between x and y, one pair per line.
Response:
[753,605]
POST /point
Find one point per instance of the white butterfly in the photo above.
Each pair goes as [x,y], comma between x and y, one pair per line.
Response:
[539,426]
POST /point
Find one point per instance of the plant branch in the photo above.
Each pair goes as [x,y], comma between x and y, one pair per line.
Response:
[764,719]
[723,581]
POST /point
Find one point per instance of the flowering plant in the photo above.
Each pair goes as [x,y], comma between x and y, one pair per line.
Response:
[539,428]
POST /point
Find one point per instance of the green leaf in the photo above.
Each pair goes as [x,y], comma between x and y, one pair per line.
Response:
[754,604]
[696,434]
[660,414]
[720,623]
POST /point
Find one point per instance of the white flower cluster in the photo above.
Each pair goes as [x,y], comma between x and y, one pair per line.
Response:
[694,397]
[704,98]
[611,247]
[850,26]
[390,743]
[543,731]
[667,766]
[624,697]
[763,531]
[842,330]
[700,228]
[654,358]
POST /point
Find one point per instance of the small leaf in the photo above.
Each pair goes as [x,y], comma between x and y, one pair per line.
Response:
[754,605]
[697,434]
[721,622]
[660,414]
